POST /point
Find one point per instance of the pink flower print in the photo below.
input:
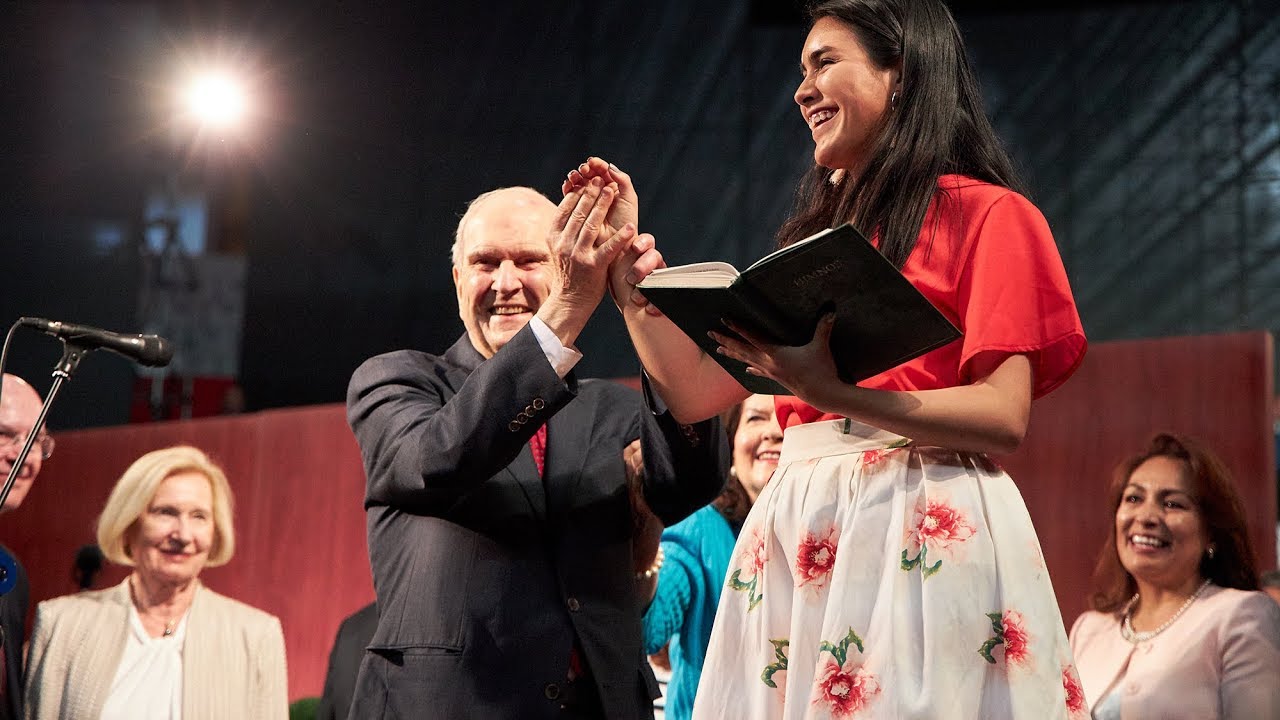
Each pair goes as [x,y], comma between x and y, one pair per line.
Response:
[1010,630]
[753,555]
[1075,693]
[843,686]
[1015,638]
[935,526]
[815,558]
[747,576]
[872,458]
[845,689]
[938,525]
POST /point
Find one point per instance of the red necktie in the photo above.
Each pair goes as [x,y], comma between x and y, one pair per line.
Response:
[538,444]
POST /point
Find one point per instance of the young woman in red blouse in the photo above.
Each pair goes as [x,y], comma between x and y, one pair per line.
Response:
[890,569]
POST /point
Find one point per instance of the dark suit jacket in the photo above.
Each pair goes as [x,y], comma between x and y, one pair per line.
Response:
[344,662]
[486,573]
[13,623]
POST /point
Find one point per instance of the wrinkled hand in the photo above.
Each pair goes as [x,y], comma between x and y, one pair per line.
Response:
[626,207]
[582,246]
[637,261]
[807,370]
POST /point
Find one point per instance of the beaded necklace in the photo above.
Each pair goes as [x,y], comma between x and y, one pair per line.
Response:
[1135,637]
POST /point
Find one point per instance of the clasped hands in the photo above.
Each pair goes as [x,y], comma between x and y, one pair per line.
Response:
[806,370]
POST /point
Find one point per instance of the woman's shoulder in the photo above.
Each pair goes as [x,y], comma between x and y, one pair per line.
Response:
[82,602]
[1094,620]
[1231,604]
[706,521]
[977,197]
[1090,625]
[218,604]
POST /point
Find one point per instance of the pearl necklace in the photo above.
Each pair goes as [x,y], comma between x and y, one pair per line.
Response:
[653,569]
[1135,637]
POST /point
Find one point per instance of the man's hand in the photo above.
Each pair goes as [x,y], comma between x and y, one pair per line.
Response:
[626,208]
[582,248]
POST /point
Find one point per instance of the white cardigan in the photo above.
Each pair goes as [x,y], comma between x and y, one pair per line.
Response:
[233,663]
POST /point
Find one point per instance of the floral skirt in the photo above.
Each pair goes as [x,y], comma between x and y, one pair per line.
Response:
[878,579]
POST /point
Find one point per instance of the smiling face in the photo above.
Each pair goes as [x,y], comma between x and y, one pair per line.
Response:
[1160,533]
[170,542]
[756,444]
[503,274]
[844,96]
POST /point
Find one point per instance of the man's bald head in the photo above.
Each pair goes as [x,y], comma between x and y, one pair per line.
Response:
[19,407]
[520,197]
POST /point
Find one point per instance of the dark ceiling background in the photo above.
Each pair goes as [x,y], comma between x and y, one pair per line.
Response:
[1150,133]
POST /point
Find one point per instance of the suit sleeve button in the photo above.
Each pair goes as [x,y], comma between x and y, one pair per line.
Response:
[512,426]
[552,691]
[539,403]
[574,605]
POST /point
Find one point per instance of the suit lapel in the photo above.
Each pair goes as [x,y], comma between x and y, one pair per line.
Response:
[1099,675]
[525,473]
[464,359]
[568,444]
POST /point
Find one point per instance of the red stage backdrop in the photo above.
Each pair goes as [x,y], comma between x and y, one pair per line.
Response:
[299,483]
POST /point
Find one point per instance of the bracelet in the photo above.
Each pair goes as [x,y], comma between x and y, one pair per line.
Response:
[654,568]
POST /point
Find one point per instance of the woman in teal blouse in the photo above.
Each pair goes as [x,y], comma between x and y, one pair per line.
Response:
[697,551]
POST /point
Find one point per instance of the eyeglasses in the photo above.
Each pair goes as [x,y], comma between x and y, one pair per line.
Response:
[12,439]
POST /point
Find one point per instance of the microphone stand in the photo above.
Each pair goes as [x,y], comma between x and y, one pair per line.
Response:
[71,356]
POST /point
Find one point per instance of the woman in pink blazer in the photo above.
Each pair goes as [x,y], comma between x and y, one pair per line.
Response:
[1178,628]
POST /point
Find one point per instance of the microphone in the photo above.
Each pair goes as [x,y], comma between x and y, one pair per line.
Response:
[150,350]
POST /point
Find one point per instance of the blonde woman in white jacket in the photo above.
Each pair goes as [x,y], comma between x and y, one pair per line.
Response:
[160,645]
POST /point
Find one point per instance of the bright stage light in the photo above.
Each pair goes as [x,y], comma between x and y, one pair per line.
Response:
[217,100]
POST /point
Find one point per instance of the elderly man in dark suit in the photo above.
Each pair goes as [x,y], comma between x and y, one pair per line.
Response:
[20,406]
[499,514]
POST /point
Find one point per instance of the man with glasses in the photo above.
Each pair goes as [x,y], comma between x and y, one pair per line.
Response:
[19,407]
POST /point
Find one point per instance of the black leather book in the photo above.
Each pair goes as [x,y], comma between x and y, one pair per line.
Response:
[881,319]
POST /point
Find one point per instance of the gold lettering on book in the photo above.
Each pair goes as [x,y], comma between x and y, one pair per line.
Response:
[818,272]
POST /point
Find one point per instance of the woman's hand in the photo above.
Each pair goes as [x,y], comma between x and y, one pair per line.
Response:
[633,265]
[808,371]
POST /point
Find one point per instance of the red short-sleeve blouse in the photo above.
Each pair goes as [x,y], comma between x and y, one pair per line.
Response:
[993,269]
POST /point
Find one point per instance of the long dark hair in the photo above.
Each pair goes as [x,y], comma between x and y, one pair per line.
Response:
[732,502]
[1233,563]
[937,126]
